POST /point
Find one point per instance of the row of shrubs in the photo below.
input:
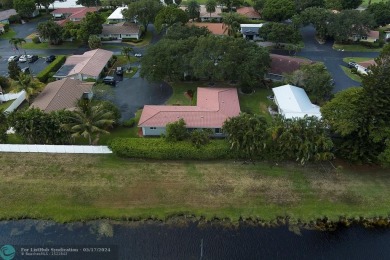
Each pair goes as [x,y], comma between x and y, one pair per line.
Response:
[159,148]
[44,75]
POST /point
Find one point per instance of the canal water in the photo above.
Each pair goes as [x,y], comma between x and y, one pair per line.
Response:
[30,239]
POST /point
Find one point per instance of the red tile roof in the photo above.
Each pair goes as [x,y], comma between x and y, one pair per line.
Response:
[286,64]
[75,12]
[373,34]
[215,105]
[214,28]
[249,12]
[367,63]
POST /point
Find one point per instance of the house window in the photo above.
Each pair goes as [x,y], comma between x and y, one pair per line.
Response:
[152,128]
[218,130]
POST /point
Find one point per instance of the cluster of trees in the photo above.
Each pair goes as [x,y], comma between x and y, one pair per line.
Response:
[340,26]
[280,33]
[208,56]
[55,34]
[90,120]
[359,118]
[304,139]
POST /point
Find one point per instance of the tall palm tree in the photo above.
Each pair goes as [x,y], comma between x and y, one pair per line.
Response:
[89,121]
[193,9]
[126,51]
[27,84]
[210,6]
[17,42]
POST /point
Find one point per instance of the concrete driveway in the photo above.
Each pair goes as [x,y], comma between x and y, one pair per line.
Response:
[332,59]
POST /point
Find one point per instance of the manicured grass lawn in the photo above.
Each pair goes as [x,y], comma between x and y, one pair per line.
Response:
[350,74]
[6,104]
[131,73]
[179,89]
[256,103]
[365,2]
[46,45]
[355,47]
[8,35]
[145,40]
[356,59]
[82,187]
[122,60]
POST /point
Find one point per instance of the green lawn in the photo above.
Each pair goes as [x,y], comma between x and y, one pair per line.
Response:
[8,35]
[46,45]
[355,47]
[145,40]
[353,76]
[179,89]
[82,187]
[356,59]
[256,103]
[6,104]
[365,2]
[131,73]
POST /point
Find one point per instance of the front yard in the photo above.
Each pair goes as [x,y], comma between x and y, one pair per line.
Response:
[355,47]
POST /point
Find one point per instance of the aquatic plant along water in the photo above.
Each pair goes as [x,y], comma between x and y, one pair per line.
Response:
[190,241]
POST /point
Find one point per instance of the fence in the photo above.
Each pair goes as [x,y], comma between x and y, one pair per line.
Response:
[19,98]
[35,148]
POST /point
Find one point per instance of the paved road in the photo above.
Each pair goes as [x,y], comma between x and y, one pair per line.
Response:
[330,57]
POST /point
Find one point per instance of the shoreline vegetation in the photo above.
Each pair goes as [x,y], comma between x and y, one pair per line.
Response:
[68,188]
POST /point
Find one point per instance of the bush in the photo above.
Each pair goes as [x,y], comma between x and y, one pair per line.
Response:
[52,67]
[158,148]
[4,83]
[6,27]
[15,19]
[36,40]
[109,106]
[129,123]
[201,137]
[176,131]
[131,40]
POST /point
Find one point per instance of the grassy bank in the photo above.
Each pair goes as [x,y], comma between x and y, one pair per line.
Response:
[82,187]
[353,76]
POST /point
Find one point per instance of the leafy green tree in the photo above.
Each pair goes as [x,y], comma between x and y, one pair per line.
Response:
[302,139]
[334,4]
[210,6]
[91,24]
[181,32]
[278,10]
[258,5]
[177,2]
[94,42]
[145,11]
[4,83]
[169,16]
[351,4]
[315,79]
[3,127]
[28,84]
[230,4]
[348,23]
[89,121]
[176,131]
[301,5]
[380,12]
[45,3]
[51,31]
[200,137]
[280,33]
[127,51]
[36,127]
[193,9]
[7,4]
[88,3]
[70,30]
[25,8]
[13,70]
[247,134]
[233,21]
[17,42]
[319,17]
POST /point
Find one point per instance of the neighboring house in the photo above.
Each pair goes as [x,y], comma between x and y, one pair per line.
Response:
[372,36]
[90,65]
[117,16]
[293,102]
[251,31]
[214,106]
[206,17]
[62,94]
[387,36]
[249,12]
[5,15]
[367,63]
[119,31]
[281,65]
[214,28]
[75,14]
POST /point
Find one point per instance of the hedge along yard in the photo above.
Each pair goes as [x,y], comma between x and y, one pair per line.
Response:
[83,187]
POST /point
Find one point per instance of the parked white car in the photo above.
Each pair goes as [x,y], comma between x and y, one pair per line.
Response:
[138,55]
[23,58]
[13,58]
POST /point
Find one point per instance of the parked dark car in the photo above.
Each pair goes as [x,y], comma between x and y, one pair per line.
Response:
[352,64]
[32,58]
[119,71]
[109,80]
[50,58]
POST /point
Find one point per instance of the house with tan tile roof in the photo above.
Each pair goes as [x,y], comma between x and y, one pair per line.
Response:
[214,28]
[89,65]
[206,16]
[62,94]
[214,107]
[119,31]
[371,36]
[367,63]
[281,65]
[249,12]
[73,14]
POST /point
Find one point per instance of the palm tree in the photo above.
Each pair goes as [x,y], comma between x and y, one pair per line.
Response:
[126,51]
[89,121]
[17,42]
[193,9]
[27,84]
[210,6]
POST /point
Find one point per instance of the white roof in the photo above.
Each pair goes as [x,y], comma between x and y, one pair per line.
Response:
[294,102]
[65,4]
[253,25]
[117,14]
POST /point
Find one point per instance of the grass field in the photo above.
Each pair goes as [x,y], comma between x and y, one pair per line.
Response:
[353,76]
[81,187]
[8,35]
[355,47]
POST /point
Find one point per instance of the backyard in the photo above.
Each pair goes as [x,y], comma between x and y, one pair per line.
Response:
[105,186]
